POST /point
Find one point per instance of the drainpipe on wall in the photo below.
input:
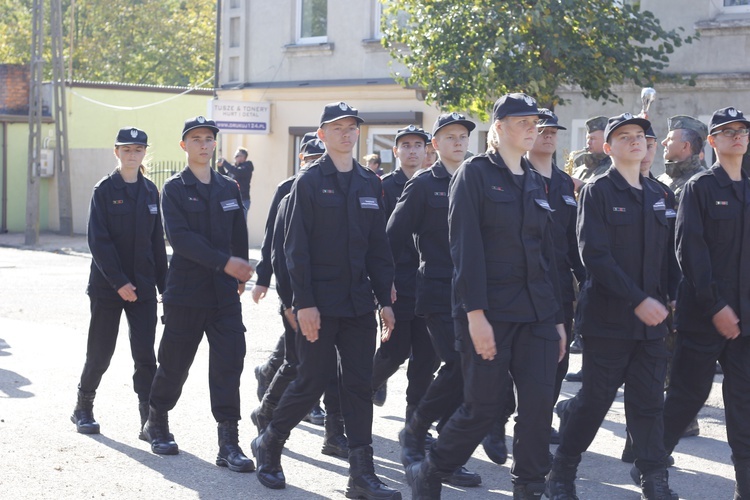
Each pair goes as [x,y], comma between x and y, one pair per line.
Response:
[4,166]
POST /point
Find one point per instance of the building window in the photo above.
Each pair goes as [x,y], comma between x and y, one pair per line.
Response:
[234,69]
[234,32]
[233,4]
[377,18]
[736,6]
[312,21]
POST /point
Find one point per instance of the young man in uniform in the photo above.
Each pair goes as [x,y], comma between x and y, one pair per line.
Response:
[338,257]
[205,224]
[410,340]
[561,196]
[713,300]
[622,313]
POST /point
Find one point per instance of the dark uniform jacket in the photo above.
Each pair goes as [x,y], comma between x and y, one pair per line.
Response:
[336,248]
[264,270]
[625,256]
[674,275]
[278,259]
[407,261]
[205,224]
[126,239]
[501,243]
[562,199]
[713,244]
[421,216]
[242,173]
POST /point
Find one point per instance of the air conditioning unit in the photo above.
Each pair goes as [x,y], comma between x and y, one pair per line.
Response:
[47,163]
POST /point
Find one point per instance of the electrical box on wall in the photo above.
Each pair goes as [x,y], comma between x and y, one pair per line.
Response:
[47,163]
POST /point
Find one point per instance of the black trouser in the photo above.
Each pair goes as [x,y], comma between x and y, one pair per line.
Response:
[528,352]
[607,363]
[353,340]
[409,337]
[102,338]
[562,366]
[693,369]
[445,393]
[288,372]
[276,358]
[183,332]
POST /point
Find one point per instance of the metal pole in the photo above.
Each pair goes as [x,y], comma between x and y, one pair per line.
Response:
[62,158]
[35,123]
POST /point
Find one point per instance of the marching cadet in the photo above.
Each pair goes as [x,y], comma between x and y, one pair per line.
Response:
[334,442]
[205,224]
[337,255]
[561,196]
[682,152]
[622,313]
[421,215]
[713,299]
[506,304]
[410,339]
[129,259]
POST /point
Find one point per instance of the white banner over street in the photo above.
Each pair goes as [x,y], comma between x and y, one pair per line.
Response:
[242,117]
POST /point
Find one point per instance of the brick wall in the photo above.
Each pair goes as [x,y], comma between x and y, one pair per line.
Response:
[14,89]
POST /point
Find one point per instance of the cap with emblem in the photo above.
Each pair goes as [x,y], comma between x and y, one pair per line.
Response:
[682,122]
[338,111]
[452,118]
[314,147]
[516,104]
[650,134]
[624,119]
[596,123]
[411,130]
[547,118]
[199,122]
[310,136]
[726,115]
[131,135]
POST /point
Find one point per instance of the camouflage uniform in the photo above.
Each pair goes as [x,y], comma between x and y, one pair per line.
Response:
[584,165]
[677,173]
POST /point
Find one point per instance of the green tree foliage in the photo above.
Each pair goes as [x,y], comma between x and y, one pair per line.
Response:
[159,42]
[466,53]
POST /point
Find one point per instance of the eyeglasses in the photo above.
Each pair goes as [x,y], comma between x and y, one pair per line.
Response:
[731,132]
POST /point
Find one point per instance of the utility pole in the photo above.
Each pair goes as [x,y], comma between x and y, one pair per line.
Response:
[35,124]
[62,158]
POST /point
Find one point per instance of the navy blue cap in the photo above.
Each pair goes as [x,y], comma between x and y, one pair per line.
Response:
[451,118]
[310,136]
[131,135]
[199,122]
[726,115]
[314,147]
[338,111]
[624,119]
[516,104]
[547,118]
[411,130]
[650,134]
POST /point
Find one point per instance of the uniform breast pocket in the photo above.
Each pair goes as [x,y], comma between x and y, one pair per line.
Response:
[438,201]
[723,221]
[620,223]
[498,205]
[328,209]
[119,212]
[196,210]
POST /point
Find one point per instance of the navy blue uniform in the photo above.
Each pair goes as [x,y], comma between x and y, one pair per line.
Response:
[713,241]
[623,236]
[243,174]
[205,225]
[410,336]
[502,248]
[127,246]
[337,254]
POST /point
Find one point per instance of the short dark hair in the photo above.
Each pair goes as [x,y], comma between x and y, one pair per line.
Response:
[242,151]
[695,140]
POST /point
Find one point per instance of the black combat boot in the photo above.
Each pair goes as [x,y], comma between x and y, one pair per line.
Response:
[156,432]
[83,414]
[412,438]
[530,491]
[363,483]
[742,479]
[267,449]
[263,375]
[143,411]
[463,477]
[335,442]
[655,486]
[230,454]
[379,394]
[561,480]
[262,415]
[424,479]
[494,444]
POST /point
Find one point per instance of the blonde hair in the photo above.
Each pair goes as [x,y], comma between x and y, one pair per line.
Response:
[493,137]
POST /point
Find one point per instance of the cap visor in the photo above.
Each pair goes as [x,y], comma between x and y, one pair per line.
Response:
[359,120]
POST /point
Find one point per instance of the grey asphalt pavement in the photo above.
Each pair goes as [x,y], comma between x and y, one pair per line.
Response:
[43,323]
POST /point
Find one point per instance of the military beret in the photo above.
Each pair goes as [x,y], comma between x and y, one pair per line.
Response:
[679,122]
[596,123]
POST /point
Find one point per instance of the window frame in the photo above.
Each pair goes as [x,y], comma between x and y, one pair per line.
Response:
[299,39]
[734,9]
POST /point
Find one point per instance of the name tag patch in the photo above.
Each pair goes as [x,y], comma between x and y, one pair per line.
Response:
[543,203]
[440,193]
[569,200]
[327,191]
[497,188]
[153,209]
[722,203]
[619,209]
[118,202]
[369,202]
[670,213]
[229,205]
[659,205]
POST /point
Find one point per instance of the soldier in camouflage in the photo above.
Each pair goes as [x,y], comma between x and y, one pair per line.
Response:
[587,163]
[682,149]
